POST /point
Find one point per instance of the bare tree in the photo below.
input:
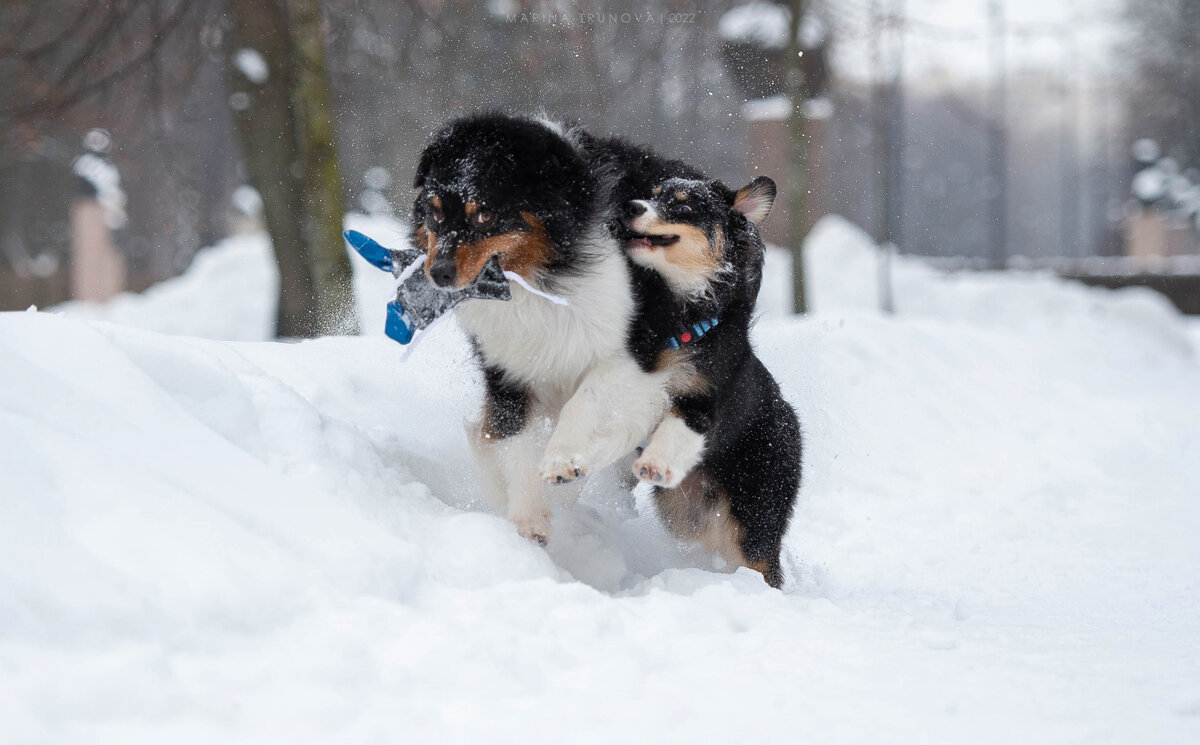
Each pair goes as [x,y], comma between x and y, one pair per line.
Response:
[60,56]
[66,67]
[1165,52]
[284,120]
[402,68]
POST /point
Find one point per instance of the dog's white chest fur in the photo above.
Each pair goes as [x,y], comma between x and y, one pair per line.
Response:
[549,346]
[578,374]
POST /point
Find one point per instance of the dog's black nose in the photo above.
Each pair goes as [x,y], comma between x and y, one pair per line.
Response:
[632,209]
[443,273]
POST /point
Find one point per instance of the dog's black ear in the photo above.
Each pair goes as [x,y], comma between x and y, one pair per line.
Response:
[423,168]
[720,188]
[755,199]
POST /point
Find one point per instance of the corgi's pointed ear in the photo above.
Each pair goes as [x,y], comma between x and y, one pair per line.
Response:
[755,199]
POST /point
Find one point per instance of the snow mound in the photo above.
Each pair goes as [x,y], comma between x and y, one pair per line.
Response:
[229,291]
[209,540]
[842,266]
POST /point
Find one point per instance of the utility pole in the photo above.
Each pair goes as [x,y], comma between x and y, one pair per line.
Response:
[997,142]
[896,127]
[1072,84]
[886,128]
[879,129]
[1104,114]
[798,93]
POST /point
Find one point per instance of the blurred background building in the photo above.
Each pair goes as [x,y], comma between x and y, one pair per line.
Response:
[981,132]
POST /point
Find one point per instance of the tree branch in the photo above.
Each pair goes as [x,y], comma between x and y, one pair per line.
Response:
[8,43]
[74,26]
[88,88]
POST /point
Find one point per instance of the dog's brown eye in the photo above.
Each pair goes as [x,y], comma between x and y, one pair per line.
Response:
[482,216]
[683,209]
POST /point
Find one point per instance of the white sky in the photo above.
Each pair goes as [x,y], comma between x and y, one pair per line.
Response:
[949,38]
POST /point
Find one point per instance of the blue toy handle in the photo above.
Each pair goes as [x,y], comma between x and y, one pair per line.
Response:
[399,325]
[376,254]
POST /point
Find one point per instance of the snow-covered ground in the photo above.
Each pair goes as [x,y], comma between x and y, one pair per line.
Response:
[229,291]
[205,540]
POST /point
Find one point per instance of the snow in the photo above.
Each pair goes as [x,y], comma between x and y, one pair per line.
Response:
[98,140]
[106,180]
[251,63]
[772,107]
[780,107]
[1145,150]
[818,108]
[208,540]
[374,203]
[377,178]
[229,291]
[1164,184]
[247,200]
[762,23]
[767,24]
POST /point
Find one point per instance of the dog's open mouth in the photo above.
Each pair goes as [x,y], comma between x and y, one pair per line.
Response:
[646,242]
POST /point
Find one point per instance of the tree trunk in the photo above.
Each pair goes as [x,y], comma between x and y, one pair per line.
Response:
[322,180]
[284,123]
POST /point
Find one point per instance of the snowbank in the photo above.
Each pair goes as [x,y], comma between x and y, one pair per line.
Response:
[229,291]
[259,542]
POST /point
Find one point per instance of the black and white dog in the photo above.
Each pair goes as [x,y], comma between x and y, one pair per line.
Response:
[725,460]
[572,388]
[565,392]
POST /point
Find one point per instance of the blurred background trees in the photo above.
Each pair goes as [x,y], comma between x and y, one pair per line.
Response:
[1164,95]
[1164,65]
[164,91]
[166,82]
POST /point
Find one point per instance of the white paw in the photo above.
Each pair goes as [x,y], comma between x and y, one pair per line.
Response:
[533,526]
[560,469]
[658,472]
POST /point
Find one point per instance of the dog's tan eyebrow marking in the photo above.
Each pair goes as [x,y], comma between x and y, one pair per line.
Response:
[471,207]
[681,196]
[657,190]
[435,200]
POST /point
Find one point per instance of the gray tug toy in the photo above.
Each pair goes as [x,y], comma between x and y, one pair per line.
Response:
[418,301]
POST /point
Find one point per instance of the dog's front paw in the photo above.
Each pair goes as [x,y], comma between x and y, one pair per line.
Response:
[534,526]
[560,469]
[658,472]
